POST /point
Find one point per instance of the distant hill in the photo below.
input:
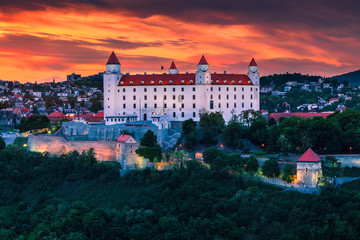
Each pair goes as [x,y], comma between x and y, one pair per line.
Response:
[352,77]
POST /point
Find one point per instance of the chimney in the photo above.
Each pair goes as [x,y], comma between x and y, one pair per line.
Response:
[224,72]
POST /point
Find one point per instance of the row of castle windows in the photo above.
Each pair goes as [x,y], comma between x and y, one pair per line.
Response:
[182,97]
[183,89]
[183,105]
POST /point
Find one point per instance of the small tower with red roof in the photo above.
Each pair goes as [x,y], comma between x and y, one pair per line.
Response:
[173,69]
[308,169]
[253,73]
[113,64]
[203,74]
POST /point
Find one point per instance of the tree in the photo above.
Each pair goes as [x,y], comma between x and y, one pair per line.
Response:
[211,125]
[149,139]
[34,122]
[188,126]
[271,168]
[252,164]
[232,134]
[289,173]
[284,144]
[211,153]
[2,143]
[191,140]
[333,162]
[180,156]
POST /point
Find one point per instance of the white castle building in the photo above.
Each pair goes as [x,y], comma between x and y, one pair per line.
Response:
[162,98]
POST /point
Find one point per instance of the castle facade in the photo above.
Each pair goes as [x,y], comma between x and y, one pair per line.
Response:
[163,98]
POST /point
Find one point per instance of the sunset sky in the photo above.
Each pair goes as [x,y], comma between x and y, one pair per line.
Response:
[41,39]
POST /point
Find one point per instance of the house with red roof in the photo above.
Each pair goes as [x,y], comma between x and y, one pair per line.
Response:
[308,169]
[277,116]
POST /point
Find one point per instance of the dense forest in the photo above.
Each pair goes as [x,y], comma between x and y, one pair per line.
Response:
[75,197]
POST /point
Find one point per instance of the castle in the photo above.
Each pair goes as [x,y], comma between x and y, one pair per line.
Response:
[165,98]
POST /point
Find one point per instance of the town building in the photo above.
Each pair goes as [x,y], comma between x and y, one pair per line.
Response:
[308,169]
[164,98]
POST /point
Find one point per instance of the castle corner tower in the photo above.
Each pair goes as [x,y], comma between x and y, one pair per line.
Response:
[253,73]
[203,74]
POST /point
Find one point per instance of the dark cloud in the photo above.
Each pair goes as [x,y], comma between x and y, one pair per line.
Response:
[327,14]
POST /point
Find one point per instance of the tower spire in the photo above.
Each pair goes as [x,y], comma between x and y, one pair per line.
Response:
[113,59]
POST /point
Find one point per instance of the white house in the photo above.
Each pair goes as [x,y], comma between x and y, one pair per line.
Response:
[163,98]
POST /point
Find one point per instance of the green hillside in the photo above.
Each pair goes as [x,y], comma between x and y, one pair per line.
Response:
[352,77]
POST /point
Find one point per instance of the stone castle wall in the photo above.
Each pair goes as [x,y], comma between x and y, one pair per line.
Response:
[104,150]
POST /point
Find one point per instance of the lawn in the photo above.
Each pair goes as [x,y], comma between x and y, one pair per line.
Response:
[20,141]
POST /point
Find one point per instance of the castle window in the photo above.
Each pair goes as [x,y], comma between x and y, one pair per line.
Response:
[145,105]
[219,97]
[219,88]
[235,89]
[134,90]
[134,105]
[194,106]
[118,90]
[154,89]
[251,105]
[182,81]
[174,105]
[219,105]
[182,114]
[242,105]
[182,105]
[145,97]
[227,89]
[211,89]
[251,96]
[165,97]
[242,89]
[250,89]
[227,97]
[174,97]
[164,89]
[194,97]
[174,114]
[182,97]
[165,105]
[170,82]
[234,105]
[108,98]
[154,97]
[211,104]
[123,89]
[194,114]
[227,105]
[134,97]
[242,96]
[142,82]
[145,89]
[124,97]
[155,105]
[234,96]
[182,89]
[173,89]
[193,89]
[211,96]
[131,82]
[108,106]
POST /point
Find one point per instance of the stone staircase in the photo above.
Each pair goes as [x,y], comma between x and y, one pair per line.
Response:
[172,137]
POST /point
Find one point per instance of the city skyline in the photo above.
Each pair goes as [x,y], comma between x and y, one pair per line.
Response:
[42,40]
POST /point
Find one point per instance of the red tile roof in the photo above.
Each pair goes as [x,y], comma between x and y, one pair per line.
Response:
[172,66]
[113,59]
[277,116]
[56,114]
[123,138]
[309,156]
[253,63]
[182,79]
[25,109]
[203,60]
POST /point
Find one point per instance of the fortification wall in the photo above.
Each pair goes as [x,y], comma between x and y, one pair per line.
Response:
[104,151]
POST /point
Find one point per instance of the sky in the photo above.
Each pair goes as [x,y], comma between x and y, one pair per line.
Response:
[41,39]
